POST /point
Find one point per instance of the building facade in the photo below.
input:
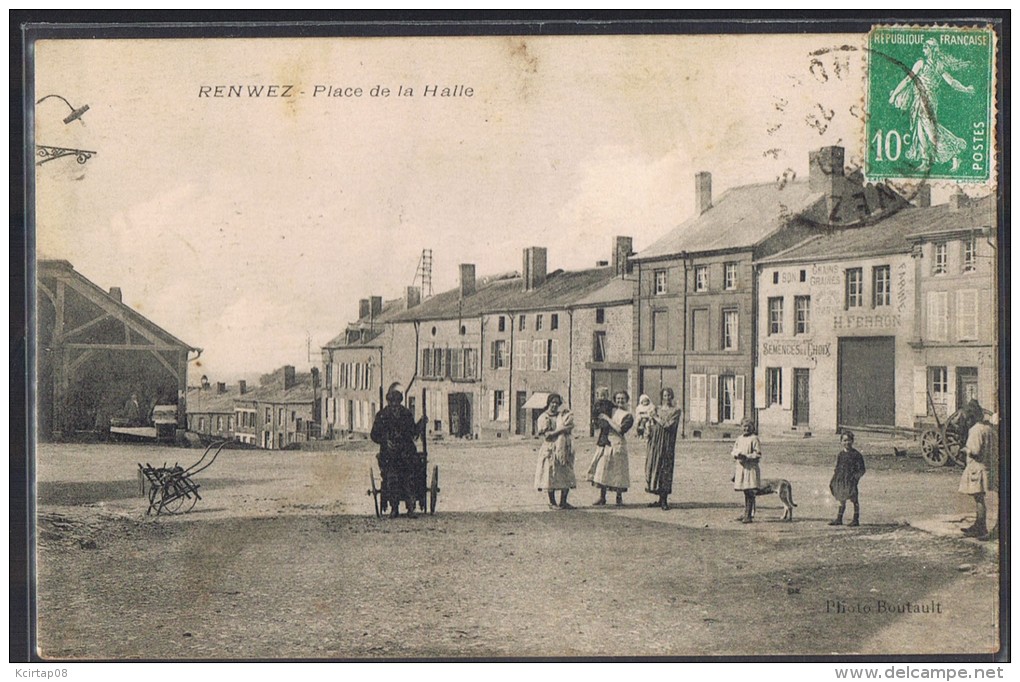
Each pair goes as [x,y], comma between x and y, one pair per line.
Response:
[211,411]
[280,413]
[956,327]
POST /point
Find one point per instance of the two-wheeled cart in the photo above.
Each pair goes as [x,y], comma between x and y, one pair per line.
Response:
[425,492]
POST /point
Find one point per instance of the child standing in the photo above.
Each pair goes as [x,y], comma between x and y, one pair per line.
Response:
[747,452]
[849,470]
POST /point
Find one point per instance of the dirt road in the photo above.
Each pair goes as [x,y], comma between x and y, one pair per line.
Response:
[282,558]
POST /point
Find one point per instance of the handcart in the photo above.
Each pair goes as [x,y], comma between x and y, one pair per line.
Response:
[171,489]
[425,492]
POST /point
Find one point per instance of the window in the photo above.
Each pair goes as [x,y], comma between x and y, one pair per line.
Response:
[201,423]
[599,353]
[660,327]
[775,315]
[219,423]
[660,282]
[545,354]
[600,316]
[775,277]
[426,362]
[439,362]
[938,316]
[699,329]
[970,254]
[802,314]
[554,321]
[938,387]
[538,323]
[502,323]
[774,386]
[940,261]
[727,395]
[854,288]
[470,363]
[803,275]
[730,329]
[269,415]
[498,405]
[881,286]
[281,415]
[967,314]
[521,324]
[293,415]
[498,357]
[230,423]
[456,364]
[701,278]
[730,276]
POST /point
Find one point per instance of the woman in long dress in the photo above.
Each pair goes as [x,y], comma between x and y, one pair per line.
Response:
[610,468]
[556,456]
[918,94]
[662,426]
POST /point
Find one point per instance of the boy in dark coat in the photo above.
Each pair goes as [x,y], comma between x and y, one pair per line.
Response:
[849,470]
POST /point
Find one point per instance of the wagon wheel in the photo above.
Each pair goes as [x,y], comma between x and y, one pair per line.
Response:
[933,447]
[374,492]
[953,446]
[434,489]
[172,499]
[186,498]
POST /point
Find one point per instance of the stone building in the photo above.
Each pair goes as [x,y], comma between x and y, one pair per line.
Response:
[956,324]
[698,292]
[211,409]
[279,413]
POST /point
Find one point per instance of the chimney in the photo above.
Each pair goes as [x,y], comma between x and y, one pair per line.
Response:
[467,279]
[221,387]
[923,199]
[534,267]
[703,192]
[242,387]
[376,306]
[364,308]
[957,200]
[413,297]
[116,294]
[289,378]
[622,250]
[824,166]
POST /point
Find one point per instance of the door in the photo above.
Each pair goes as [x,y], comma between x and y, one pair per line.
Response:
[520,413]
[460,414]
[801,401]
[867,381]
[966,385]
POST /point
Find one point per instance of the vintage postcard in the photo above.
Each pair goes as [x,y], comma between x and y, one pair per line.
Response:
[522,343]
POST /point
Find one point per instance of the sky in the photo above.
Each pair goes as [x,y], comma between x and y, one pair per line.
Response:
[251,227]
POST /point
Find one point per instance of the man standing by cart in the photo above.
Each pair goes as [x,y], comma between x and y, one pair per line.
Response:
[395,432]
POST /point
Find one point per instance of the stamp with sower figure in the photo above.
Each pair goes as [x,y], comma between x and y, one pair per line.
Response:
[930,103]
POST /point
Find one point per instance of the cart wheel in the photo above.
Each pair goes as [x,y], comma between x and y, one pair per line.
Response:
[374,492]
[953,446]
[434,489]
[933,447]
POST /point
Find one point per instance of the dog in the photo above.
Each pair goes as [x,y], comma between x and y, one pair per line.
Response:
[785,491]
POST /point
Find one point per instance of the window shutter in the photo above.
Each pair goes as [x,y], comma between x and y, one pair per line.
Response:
[786,395]
[738,397]
[522,355]
[698,398]
[920,391]
[950,390]
[449,365]
[492,405]
[713,398]
[760,397]
[492,355]
[554,355]
[967,314]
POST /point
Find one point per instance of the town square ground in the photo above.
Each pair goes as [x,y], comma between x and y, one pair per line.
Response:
[283,558]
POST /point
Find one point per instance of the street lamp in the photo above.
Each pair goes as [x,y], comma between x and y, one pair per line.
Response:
[49,153]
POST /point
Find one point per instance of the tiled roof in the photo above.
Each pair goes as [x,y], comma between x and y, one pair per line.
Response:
[741,218]
[300,392]
[372,327]
[561,289]
[890,235]
[208,401]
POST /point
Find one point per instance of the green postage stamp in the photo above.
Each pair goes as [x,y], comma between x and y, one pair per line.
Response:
[930,103]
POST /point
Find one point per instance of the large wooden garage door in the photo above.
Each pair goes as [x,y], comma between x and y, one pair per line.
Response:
[867,381]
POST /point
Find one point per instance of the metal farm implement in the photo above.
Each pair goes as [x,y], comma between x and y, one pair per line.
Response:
[171,489]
